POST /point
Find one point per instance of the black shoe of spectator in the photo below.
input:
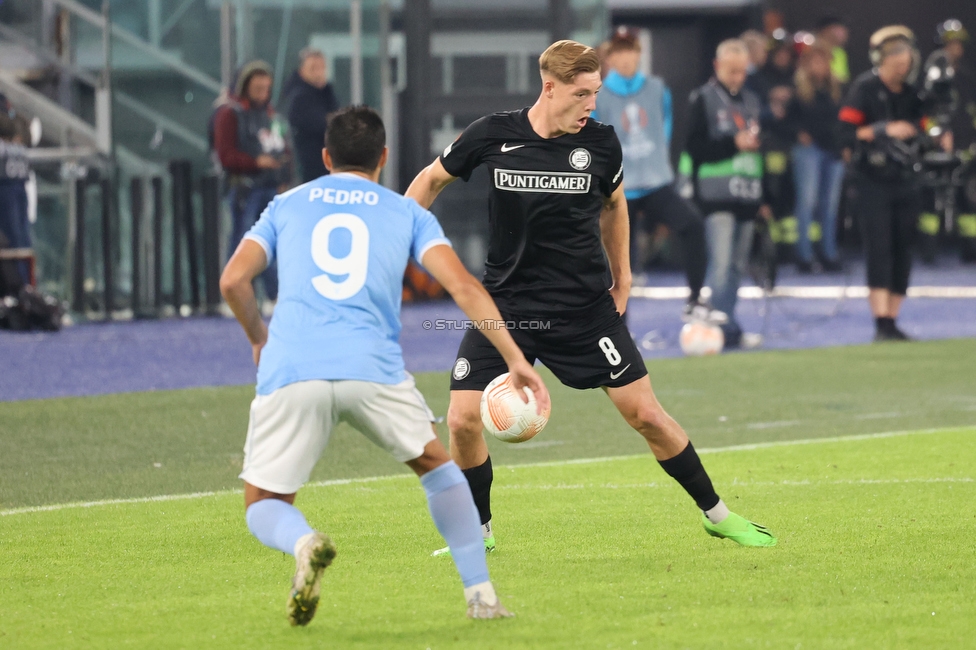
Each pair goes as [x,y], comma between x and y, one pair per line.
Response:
[897,334]
[832,266]
[886,330]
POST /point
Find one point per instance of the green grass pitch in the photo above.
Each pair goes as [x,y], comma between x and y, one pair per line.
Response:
[876,532]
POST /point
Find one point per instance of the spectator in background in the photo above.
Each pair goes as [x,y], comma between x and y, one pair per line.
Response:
[250,144]
[727,173]
[639,109]
[778,70]
[773,84]
[817,164]
[755,42]
[14,172]
[879,121]
[952,35]
[832,31]
[308,98]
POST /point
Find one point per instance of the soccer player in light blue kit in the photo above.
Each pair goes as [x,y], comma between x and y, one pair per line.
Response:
[332,354]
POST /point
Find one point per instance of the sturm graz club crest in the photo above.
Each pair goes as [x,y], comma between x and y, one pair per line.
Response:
[579,159]
[461,368]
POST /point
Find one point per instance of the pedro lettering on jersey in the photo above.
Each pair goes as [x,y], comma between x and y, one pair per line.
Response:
[347,242]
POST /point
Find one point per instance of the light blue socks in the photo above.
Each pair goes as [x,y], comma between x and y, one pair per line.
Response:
[453,511]
[277,524]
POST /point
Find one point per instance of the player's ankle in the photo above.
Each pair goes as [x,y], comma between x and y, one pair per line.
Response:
[718,513]
[484,590]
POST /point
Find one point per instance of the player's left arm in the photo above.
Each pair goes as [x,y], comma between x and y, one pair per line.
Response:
[236,285]
[615,231]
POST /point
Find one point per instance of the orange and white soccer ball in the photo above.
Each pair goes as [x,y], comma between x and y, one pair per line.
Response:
[506,416]
[699,339]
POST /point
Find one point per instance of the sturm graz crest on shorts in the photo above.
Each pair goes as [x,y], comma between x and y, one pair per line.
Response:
[580,159]
[461,368]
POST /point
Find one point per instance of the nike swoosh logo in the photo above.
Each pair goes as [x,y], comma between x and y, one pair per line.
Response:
[506,148]
[615,375]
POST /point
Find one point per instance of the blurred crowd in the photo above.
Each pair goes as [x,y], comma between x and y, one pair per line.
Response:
[775,137]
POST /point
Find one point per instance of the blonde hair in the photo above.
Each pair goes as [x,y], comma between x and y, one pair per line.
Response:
[731,46]
[566,59]
[806,86]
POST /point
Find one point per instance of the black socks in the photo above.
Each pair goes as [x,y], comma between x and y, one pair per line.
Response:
[686,468]
[884,324]
[479,478]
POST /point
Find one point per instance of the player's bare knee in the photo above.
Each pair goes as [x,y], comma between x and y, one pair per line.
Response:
[463,422]
[651,421]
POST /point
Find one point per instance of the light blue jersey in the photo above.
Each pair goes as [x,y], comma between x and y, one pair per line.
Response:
[342,243]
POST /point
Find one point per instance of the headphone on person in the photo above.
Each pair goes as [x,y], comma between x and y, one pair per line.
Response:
[876,45]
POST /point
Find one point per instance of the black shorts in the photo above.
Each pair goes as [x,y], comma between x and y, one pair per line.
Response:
[588,350]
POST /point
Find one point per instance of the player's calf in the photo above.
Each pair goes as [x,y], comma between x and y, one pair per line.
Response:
[453,511]
[278,524]
[677,456]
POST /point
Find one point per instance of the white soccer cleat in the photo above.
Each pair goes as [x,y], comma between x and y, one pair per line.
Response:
[700,311]
[316,552]
[479,609]
[751,341]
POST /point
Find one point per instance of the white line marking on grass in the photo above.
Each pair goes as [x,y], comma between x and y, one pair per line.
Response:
[878,416]
[774,425]
[554,463]
[737,483]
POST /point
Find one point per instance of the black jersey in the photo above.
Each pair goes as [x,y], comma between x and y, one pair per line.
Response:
[545,254]
[869,101]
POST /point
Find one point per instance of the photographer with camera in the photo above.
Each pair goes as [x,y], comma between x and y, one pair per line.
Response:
[727,175]
[880,121]
[949,92]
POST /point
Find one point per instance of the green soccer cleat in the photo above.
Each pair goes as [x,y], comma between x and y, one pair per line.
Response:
[315,555]
[740,530]
[446,551]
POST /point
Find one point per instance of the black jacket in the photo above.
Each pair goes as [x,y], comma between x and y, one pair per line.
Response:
[702,148]
[308,109]
[870,102]
[818,118]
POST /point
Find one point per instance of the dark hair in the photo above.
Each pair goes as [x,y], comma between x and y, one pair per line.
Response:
[8,129]
[624,39]
[355,139]
[829,21]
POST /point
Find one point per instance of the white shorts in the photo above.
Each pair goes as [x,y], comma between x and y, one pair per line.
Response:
[289,428]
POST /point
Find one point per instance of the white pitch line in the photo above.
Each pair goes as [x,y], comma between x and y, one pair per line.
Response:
[736,483]
[554,463]
[815,292]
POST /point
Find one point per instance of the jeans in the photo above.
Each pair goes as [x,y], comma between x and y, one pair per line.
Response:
[246,206]
[729,243]
[819,177]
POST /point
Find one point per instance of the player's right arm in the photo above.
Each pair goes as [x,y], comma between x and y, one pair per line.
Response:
[428,184]
[248,261]
[443,263]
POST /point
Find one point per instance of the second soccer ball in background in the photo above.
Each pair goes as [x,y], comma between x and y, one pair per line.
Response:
[699,339]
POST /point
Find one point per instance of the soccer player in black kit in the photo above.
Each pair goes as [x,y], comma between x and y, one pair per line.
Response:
[558,262]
